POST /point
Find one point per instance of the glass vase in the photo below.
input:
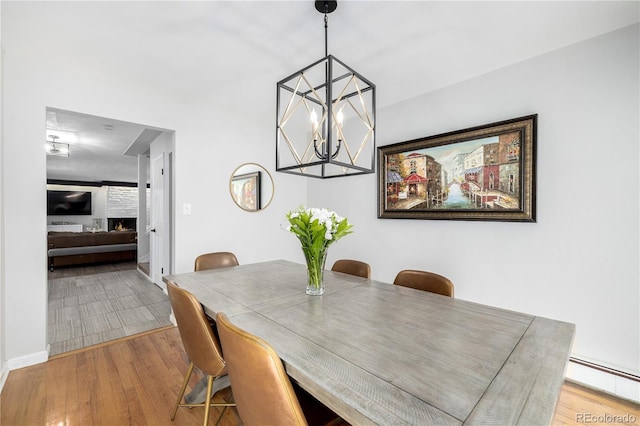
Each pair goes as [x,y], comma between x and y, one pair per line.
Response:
[315,272]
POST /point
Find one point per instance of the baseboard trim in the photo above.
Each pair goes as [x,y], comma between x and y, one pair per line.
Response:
[605,369]
[27,360]
[609,380]
[4,373]
[143,273]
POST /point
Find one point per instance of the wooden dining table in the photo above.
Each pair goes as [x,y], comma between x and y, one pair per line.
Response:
[382,354]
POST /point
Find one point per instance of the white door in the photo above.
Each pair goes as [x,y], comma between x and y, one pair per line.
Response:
[157,220]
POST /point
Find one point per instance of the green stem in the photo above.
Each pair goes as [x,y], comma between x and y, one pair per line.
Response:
[315,265]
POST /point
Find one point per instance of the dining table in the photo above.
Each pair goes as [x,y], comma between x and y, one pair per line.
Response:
[377,353]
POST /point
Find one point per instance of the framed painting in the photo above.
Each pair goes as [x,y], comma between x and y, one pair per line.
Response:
[245,190]
[481,173]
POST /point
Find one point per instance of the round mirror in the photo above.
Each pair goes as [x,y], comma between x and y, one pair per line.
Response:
[251,187]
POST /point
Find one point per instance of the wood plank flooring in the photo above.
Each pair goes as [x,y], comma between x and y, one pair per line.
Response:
[135,381]
[580,405]
[131,381]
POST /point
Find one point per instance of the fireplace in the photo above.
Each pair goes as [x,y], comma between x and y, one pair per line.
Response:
[122,223]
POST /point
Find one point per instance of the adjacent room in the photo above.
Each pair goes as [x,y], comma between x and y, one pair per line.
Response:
[422,228]
[99,231]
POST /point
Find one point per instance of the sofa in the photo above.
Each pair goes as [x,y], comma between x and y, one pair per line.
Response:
[76,248]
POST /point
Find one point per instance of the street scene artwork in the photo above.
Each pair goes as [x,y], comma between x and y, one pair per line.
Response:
[482,173]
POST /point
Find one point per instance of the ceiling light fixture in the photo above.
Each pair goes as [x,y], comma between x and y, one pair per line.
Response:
[325,117]
[56,148]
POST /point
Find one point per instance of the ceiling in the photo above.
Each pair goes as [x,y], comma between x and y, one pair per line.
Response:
[201,48]
[100,149]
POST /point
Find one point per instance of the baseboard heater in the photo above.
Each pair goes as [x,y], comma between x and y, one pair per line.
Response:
[605,369]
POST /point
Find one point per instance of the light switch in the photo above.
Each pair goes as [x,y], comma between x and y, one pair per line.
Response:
[186,208]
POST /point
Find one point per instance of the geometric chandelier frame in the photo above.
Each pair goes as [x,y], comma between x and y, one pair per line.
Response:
[325,118]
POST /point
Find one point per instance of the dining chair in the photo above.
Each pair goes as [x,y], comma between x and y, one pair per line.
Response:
[352,267]
[200,344]
[262,390]
[424,280]
[220,259]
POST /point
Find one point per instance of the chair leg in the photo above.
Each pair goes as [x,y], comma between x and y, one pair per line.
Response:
[231,404]
[221,415]
[224,405]
[184,388]
[207,401]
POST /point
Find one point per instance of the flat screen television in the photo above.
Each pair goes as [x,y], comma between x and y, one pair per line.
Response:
[67,203]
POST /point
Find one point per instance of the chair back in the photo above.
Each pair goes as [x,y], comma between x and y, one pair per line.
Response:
[352,267]
[261,388]
[220,259]
[200,344]
[426,281]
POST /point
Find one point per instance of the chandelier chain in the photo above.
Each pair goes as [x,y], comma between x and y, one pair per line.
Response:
[326,32]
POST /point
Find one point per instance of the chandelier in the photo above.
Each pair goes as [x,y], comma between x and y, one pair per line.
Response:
[325,117]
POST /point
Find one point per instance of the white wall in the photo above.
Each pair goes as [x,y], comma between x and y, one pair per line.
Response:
[579,262]
[210,144]
[203,166]
[3,357]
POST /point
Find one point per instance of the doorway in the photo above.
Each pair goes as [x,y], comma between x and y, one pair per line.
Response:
[98,300]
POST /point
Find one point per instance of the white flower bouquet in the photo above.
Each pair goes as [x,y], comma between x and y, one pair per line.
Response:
[316,229]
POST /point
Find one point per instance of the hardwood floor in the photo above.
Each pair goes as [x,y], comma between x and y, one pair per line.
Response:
[579,405]
[135,381]
[132,381]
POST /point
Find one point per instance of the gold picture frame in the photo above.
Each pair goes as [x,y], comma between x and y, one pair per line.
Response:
[482,173]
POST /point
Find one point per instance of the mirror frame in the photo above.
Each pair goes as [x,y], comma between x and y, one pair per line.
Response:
[258,179]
